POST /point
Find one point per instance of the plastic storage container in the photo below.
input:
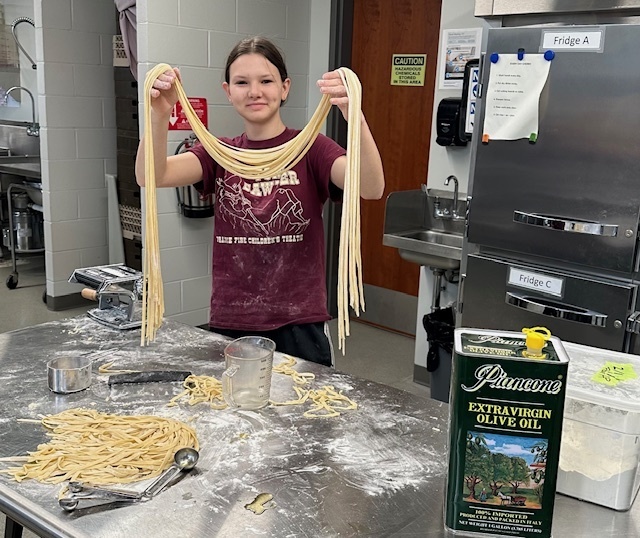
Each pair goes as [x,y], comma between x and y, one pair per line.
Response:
[600,447]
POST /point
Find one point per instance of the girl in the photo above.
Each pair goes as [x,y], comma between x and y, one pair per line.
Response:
[268,272]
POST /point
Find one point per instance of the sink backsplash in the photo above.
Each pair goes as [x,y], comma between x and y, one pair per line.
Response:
[13,135]
[414,210]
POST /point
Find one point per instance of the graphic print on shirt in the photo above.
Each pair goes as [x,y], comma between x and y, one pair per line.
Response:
[262,211]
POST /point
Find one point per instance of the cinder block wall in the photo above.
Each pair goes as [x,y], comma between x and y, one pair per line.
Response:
[77,114]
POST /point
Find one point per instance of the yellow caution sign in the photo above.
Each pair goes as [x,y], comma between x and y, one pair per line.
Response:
[408,69]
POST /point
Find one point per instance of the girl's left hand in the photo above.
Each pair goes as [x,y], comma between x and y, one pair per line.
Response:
[331,84]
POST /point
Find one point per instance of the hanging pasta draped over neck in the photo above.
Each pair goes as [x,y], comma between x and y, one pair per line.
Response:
[260,164]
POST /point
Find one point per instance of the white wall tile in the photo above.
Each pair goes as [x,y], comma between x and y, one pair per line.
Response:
[204,82]
[298,20]
[65,111]
[195,318]
[57,79]
[57,13]
[62,204]
[92,204]
[262,18]
[172,298]
[169,230]
[174,45]
[196,231]
[109,112]
[59,265]
[106,49]
[96,143]
[167,200]
[296,55]
[217,15]
[94,256]
[70,47]
[93,80]
[111,166]
[225,121]
[58,144]
[220,45]
[93,17]
[78,234]
[196,293]
[298,95]
[159,11]
[183,263]
[75,174]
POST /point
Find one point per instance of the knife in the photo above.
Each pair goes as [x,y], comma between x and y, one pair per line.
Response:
[154,376]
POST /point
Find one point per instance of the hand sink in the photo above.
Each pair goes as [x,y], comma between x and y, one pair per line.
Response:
[433,248]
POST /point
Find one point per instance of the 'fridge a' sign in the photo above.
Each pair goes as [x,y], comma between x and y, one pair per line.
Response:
[178,120]
[579,40]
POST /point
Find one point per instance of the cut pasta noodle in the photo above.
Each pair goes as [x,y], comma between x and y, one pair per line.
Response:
[107,368]
[99,448]
[201,388]
[259,164]
[286,368]
[326,402]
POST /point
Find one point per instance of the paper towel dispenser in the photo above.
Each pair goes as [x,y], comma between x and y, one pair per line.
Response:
[448,122]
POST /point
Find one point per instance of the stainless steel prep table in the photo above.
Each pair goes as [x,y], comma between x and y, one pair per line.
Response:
[378,471]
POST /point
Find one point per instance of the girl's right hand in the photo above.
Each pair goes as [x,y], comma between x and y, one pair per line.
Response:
[163,91]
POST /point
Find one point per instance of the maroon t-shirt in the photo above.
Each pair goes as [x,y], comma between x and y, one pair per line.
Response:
[268,239]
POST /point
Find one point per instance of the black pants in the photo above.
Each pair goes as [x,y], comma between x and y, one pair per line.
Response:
[307,341]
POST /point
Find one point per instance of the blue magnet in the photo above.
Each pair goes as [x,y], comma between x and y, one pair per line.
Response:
[549,55]
[494,58]
[520,54]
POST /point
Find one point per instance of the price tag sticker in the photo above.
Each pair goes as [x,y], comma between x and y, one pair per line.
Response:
[613,373]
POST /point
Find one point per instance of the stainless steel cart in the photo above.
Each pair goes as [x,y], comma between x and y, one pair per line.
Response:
[25,238]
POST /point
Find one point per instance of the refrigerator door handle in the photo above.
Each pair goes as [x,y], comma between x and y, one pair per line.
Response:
[565,224]
[633,323]
[555,309]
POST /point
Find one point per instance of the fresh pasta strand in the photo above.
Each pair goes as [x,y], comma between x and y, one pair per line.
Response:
[286,368]
[107,368]
[258,164]
[101,449]
[326,402]
[201,388]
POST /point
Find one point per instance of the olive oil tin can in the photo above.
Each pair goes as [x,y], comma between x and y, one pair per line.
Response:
[505,427]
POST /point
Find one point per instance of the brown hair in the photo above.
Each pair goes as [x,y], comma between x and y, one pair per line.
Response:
[257,45]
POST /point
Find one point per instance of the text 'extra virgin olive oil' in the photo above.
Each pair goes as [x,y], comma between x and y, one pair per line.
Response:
[505,424]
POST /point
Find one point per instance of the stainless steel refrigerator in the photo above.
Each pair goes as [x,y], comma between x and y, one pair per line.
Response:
[552,235]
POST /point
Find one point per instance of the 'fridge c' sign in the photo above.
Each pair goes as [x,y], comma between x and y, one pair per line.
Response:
[178,120]
[535,281]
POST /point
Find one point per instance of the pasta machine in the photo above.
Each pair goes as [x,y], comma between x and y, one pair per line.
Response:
[118,291]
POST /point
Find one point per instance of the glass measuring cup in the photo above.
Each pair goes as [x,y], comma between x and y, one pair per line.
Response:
[246,382]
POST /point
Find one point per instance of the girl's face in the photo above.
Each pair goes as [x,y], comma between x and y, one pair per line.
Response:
[255,88]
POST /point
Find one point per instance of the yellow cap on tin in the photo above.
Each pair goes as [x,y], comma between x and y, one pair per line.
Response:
[536,340]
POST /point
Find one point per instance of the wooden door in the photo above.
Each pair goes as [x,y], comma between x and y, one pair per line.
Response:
[399,117]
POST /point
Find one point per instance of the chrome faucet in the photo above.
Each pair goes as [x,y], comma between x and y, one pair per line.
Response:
[34,128]
[454,212]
